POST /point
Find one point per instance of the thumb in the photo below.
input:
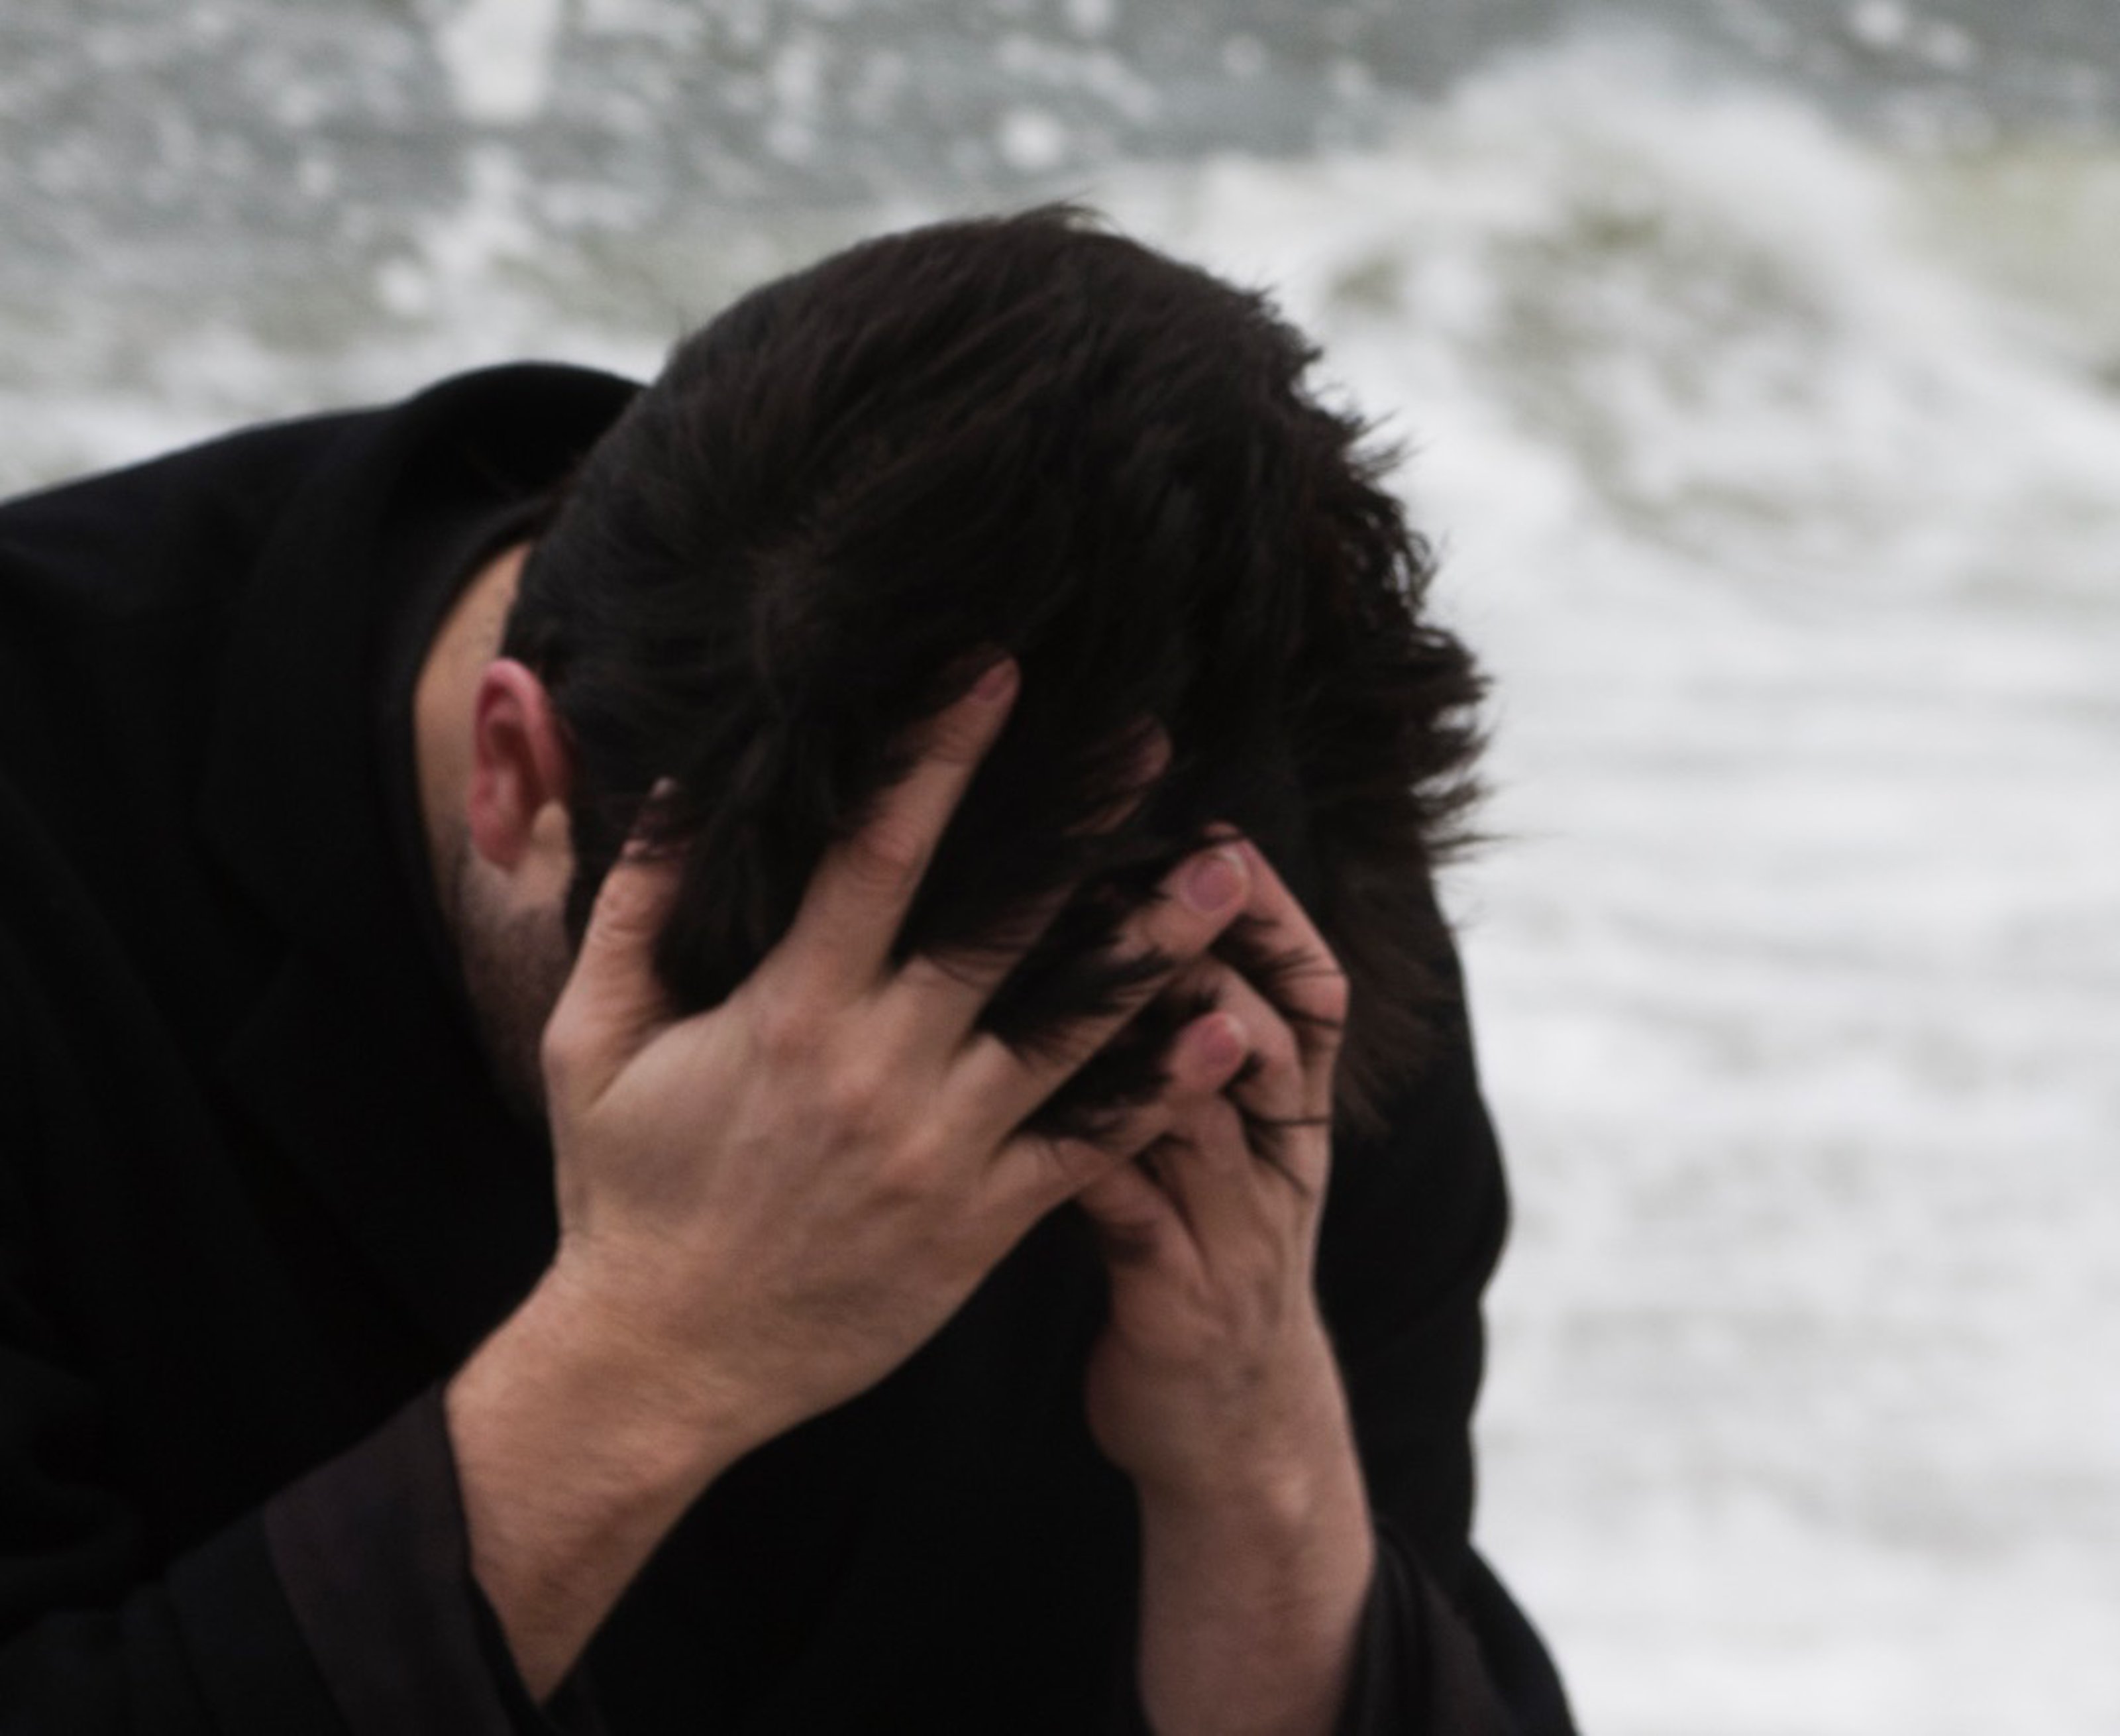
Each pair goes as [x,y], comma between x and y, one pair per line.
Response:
[614,998]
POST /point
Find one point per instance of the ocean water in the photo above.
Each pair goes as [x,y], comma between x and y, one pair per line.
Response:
[1757,367]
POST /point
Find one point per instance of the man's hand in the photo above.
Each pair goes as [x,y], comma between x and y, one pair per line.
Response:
[1214,1386]
[767,1206]
[791,1193]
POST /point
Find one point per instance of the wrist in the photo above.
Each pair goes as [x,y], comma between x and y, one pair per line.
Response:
[1269,1520]
[1252,1598]
[1281,1443]
[577,1445]
[580,1359]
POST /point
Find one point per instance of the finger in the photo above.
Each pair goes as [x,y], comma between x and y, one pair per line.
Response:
[1033,1172]
[1196,901]
[1311,987]
[1226,1198]
[857,900]
[1196,1187]
[1206,1133]
[1038,1171]
[613,997]
[1208,1053]
[1270,1081]
[1268,1088]
[1135,1222]
[946,993]
[1234,1168]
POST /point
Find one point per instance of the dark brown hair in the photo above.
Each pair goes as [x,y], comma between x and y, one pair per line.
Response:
[844,495]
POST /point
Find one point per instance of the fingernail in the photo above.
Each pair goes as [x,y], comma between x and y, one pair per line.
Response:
[1223,1042]
[997,683]
[1215,882]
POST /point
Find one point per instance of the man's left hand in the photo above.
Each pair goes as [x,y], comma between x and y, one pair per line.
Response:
[1214,1386]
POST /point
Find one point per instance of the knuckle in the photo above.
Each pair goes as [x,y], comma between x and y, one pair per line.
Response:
[1065,1166]
[926,973]
[1180,934]
[1133,1132]
[786,1028]
[958,737]
[1331,993]
[857,1094]
[1168,930]
[1277,1049]
[908,1172]
[886,854]
[923,1156]
[1070,1164]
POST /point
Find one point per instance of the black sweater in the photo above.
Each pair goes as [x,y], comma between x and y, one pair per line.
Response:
[257,1201]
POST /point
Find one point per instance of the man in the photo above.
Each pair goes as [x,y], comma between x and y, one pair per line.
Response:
[916,840]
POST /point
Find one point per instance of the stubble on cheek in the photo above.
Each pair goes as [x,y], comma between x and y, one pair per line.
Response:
[515,961]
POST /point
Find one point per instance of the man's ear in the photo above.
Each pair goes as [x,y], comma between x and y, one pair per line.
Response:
[520,761]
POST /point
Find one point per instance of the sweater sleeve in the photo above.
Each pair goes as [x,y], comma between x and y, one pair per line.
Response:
[341,1604]
[1425,1664]
[370,1551]
[344,1606]
[87,1646]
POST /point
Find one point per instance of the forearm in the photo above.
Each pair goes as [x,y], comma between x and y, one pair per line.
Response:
[577,1449]
[1251,1602]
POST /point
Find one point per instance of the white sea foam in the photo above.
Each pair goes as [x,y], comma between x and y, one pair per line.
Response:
[498,54]
[1778,475]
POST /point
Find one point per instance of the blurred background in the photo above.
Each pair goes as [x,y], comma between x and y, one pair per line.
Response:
[1758,365]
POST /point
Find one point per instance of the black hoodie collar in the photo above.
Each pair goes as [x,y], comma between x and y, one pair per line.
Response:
[360,1061]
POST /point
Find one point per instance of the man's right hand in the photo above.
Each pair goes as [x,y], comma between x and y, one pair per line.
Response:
[767,1206]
